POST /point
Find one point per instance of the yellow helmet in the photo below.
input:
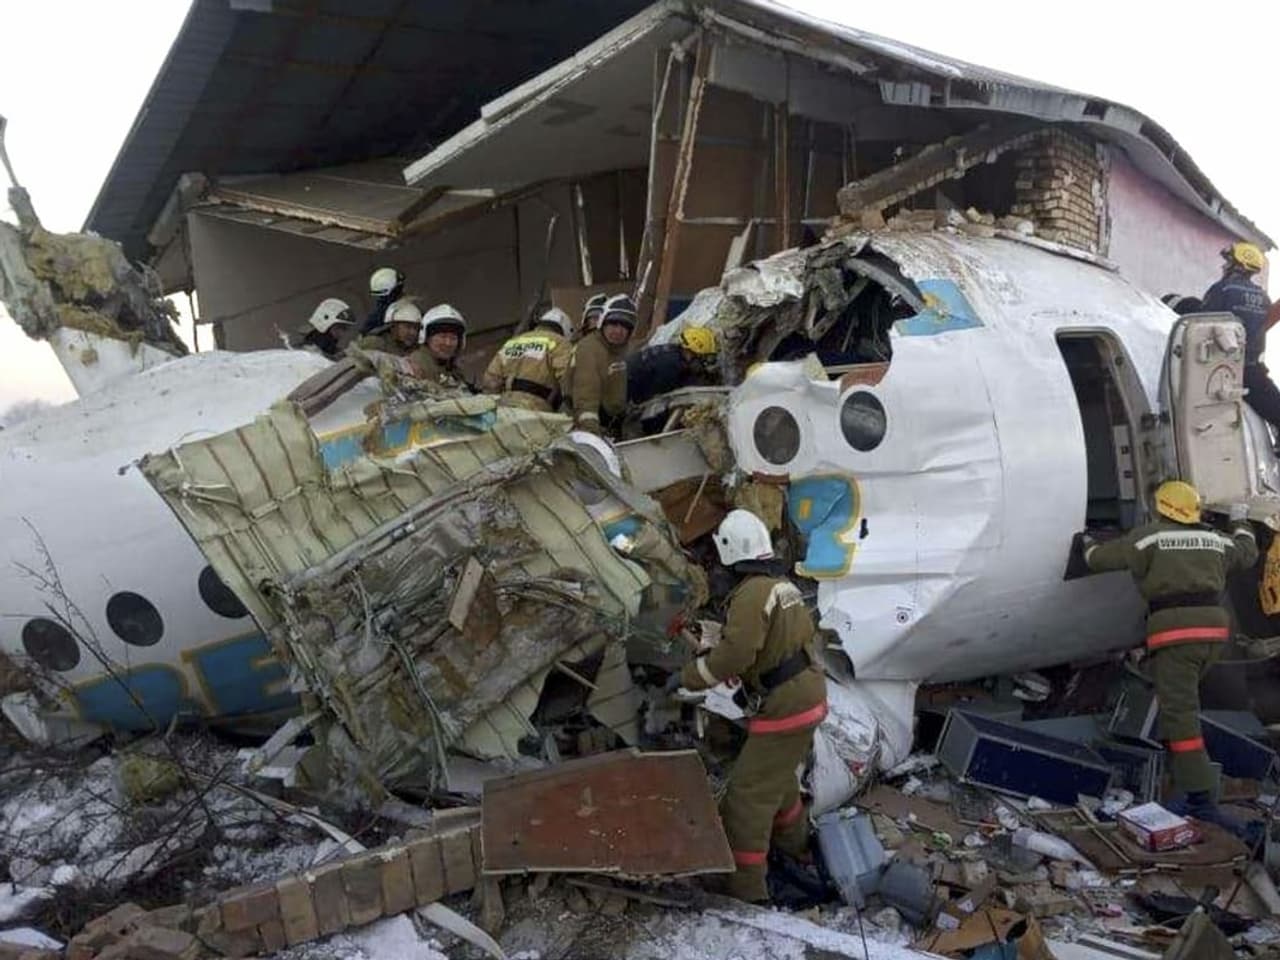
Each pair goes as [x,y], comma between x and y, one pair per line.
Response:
[1178,501]
[1248,256]
[698,340]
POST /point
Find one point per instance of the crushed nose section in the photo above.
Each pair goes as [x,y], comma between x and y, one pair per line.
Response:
[422,575]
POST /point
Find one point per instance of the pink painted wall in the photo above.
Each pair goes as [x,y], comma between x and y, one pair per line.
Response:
[1160,243]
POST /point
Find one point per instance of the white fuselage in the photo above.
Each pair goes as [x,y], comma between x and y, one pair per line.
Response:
[969,502]
[971,499]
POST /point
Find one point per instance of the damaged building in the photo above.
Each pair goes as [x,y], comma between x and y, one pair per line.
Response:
[450,625]
[651,152]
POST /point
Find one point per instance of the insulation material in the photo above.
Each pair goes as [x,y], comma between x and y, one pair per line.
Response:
[53,280]
[348,551]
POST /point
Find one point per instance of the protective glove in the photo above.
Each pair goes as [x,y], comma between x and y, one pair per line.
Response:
[1239,512]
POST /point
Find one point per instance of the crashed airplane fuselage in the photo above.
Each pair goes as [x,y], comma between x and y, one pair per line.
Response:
[982,399]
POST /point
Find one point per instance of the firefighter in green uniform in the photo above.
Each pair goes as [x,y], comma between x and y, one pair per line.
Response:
[403,330]
[443,337]
[591,311]
[767,643]
[598,373]
[529,370]
[1181,567]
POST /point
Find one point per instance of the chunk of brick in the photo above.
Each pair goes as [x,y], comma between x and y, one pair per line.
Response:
[398,894]
[330,898]
[362,880]
[176,917]
[162,943]
[297,911]
[459,867]
[247,908]
[243,943]
[428,870]
[118,921]
[272,934]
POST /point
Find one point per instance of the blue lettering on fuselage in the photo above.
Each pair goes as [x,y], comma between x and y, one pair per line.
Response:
[398,436]
[239,677]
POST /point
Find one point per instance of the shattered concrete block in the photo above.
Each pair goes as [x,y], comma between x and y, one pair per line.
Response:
[272,934]
[207,920]
[330,897]
[247,908]
[398,894]
[362,881]
[459,867]
[428,870]
[297,911]
[162,943]
[1042,901]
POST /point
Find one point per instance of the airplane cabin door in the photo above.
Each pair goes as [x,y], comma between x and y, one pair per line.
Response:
[1202,390]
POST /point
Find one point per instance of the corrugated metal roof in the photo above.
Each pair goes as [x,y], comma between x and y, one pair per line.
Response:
[258,86]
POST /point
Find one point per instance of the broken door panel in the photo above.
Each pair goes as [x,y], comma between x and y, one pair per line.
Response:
[350,548]
[623,812]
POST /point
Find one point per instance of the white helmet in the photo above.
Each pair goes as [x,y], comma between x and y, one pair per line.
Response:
[331,312]
[558,319]
[742,536]
[384,280]
[402,311]
[443,316]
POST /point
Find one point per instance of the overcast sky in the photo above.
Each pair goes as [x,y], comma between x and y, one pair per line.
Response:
[74,73]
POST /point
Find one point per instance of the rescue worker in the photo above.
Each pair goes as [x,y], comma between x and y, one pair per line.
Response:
[529,370]
[1181,566]
[1237,293]
[443,335]
[386,286]
[767,642]
[319,335]
[401,333]
[598,373]
[591,313]
[661,368]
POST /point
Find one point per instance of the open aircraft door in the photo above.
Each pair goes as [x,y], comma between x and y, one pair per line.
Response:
[1218,443]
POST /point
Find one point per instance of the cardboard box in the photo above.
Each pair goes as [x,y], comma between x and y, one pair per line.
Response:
[1155,828]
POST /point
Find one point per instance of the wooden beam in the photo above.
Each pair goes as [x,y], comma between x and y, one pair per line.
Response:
[680,183]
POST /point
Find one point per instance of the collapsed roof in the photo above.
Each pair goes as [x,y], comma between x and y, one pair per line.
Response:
[246,92]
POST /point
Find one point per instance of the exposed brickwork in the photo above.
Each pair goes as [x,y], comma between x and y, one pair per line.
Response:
[324,900]
[1058,188]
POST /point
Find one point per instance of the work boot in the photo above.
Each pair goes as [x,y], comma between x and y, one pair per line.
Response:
[794,882]
[1199,805]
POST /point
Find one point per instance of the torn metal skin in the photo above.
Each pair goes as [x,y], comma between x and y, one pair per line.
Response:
[350,549]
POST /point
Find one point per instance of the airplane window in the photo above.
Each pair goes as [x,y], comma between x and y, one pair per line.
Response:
[50,644]
[134,619]
[217,596]
[862,420]
[776,435]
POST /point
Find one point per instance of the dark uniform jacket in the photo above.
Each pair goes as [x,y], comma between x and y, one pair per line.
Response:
[1181,571]
[1236,293]
[660,369]
[767,622]
[597,381]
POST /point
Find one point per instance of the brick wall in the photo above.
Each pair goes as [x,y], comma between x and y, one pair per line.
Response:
[1059,188]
